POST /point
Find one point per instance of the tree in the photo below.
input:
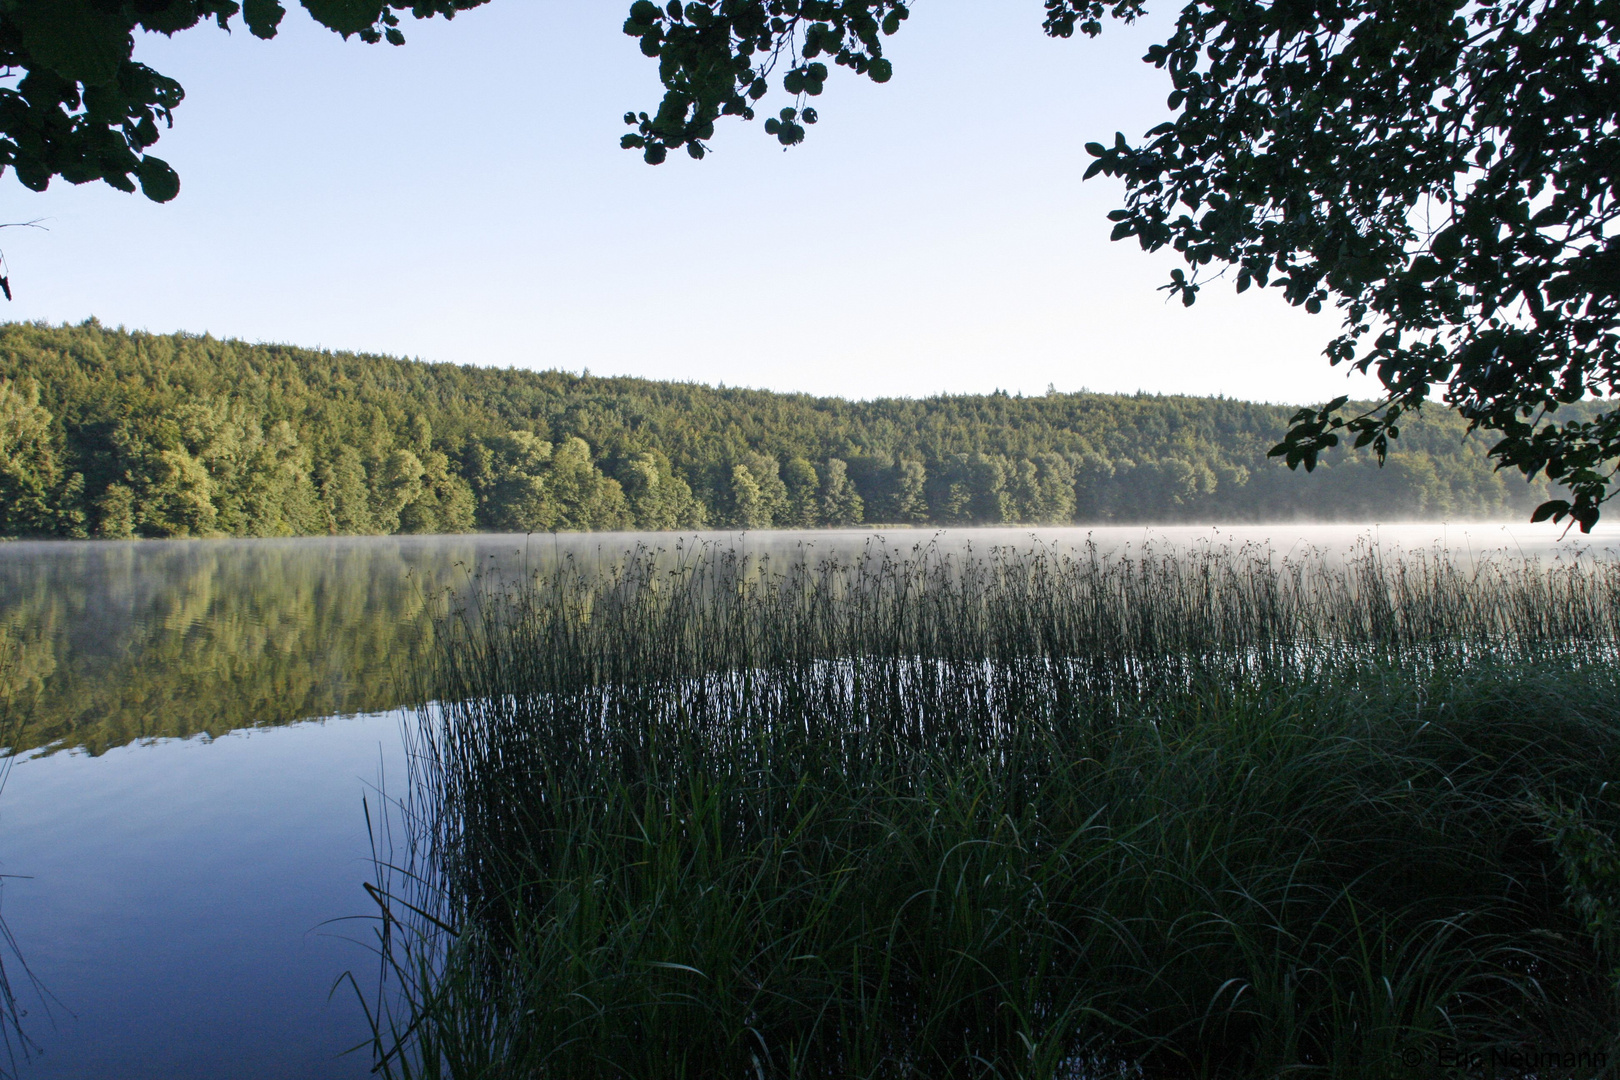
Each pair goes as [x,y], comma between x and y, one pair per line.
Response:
[840,504]
[1042,489]
[970,489]
[803,486]
[658,499]
[586,499]
[168,485]
[28,470]
[511,480]
[298,442]
[910,481]
[747,507]
[1443,172]
[344,493]
[85,110]
[759,499]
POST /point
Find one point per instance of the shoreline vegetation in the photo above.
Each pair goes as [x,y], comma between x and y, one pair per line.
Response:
[114,434]
[1011,814]
[107,643]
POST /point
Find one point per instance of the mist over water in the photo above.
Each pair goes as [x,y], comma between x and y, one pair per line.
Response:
[181,875]
[107,643]
[1466,541]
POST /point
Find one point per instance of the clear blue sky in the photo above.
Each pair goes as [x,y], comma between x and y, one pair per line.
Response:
[463,198]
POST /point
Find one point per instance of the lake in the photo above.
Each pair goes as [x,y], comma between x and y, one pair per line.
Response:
[196,726]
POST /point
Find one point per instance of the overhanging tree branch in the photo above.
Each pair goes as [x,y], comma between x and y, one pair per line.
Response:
[1303,137]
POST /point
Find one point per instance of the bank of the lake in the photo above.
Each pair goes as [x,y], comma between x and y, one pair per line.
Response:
[176,890]
[1035,813]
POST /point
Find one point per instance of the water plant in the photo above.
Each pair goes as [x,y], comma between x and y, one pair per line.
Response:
[1035,813]
[15,1040]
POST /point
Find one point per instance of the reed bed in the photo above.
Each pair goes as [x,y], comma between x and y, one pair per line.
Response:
[1011,814]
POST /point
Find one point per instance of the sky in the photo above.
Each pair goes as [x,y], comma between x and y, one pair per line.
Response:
[463,198]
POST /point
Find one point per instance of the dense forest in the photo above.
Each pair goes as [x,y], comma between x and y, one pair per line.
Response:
[106,433]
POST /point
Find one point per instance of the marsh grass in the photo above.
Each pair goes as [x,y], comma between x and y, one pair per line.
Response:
[15,1041]
[1015,814]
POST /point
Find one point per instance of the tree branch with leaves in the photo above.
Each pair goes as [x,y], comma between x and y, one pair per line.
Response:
[75,104]
[1442,173]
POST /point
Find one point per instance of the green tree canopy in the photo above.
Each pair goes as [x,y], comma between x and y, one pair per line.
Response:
[114,434]
[1441,171]
[28,469]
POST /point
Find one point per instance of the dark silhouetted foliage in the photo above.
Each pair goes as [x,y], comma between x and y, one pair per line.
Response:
[1443,172]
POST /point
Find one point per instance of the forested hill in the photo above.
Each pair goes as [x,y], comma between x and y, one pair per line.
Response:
[115,434]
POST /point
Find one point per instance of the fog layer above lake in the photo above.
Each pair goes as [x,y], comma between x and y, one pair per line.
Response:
[106,643]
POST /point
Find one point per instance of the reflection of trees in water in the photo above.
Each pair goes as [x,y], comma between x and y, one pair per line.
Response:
[110,643]
[106,643]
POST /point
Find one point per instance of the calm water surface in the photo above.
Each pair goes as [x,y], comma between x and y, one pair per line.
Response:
[199,721]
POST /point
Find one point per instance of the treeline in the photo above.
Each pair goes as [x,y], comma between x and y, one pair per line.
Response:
[105,433]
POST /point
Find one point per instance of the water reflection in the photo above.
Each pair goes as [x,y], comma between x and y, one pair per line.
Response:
[178,892]
[107,643]
[114,642]
[178,897]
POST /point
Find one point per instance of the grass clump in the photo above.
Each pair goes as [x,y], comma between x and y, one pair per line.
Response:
[1021,815]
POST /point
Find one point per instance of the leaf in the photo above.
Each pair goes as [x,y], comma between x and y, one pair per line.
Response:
[1563,287]
[1448,245]
[263,17]
[159,182]
[345,16]
[172,17]
[74,38]
[1555,509]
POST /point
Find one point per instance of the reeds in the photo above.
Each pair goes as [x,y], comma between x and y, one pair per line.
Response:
[15,1041]
[1020,814]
